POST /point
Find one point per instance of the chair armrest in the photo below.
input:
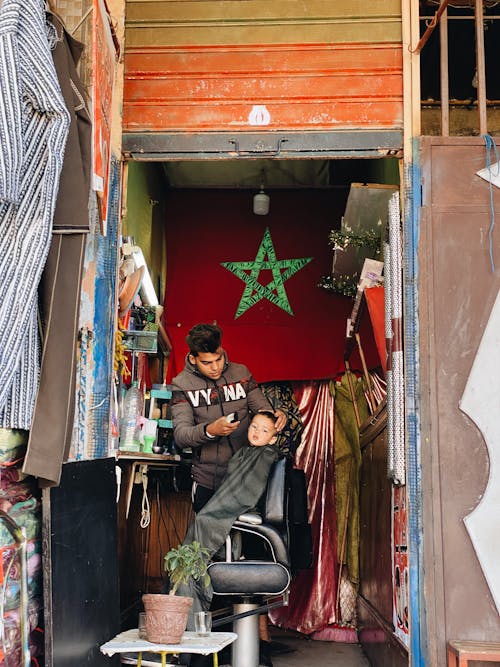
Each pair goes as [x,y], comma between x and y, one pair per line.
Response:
[273,538]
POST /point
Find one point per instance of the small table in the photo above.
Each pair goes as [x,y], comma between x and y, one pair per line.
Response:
[129,642]
[460,652]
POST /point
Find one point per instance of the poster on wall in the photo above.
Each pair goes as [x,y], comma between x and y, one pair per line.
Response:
[103,65]
[400,564]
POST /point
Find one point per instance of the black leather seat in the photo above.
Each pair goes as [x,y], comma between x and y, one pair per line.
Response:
[250,580]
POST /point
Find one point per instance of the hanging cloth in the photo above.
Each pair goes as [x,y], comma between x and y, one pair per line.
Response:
[313,592]
[52,427]
[33,131]
[280,395]
[347,472]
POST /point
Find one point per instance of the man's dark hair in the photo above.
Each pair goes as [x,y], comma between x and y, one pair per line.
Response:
[204,338]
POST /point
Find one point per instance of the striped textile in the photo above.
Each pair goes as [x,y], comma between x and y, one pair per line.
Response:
[34,124]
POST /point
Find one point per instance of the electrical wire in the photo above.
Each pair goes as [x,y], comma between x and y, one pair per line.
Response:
[490,144]
[145,508]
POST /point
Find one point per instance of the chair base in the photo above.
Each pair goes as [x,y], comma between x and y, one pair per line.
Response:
[245,650]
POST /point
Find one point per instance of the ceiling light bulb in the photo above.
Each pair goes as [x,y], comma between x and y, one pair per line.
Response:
[261,203]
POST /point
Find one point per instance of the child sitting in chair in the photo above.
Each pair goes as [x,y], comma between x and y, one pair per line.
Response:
[243,485]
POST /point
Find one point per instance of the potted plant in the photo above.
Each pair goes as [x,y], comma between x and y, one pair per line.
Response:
[167,615]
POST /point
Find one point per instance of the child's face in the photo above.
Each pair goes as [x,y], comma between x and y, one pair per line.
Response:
[261,431]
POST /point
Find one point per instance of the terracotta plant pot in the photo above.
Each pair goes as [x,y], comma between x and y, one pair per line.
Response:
[166,617]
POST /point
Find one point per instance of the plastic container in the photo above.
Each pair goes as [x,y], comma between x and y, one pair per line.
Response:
[130,427]
[148,434]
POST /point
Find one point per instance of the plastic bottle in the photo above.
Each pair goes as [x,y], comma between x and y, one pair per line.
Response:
[130,427]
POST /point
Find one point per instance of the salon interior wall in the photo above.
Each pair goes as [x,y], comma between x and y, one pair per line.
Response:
[144,217]
[144,211]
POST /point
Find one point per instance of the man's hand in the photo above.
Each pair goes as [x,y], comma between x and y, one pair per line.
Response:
[221,427]
[281,419]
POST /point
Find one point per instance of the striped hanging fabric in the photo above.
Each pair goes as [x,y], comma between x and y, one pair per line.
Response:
[34,124]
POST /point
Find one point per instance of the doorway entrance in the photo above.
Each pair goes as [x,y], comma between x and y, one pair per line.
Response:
[185,214]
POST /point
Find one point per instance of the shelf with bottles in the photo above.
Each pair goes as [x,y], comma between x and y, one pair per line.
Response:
[146,425]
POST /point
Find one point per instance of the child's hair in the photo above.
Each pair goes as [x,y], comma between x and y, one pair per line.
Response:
[266,413]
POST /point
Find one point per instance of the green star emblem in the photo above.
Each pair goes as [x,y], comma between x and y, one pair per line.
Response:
[281,270]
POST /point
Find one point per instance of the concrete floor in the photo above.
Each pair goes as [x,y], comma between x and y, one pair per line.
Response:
[309,653]
[293,650]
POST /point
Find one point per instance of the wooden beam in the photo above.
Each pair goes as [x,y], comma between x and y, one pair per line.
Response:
[480,65]
[443,73]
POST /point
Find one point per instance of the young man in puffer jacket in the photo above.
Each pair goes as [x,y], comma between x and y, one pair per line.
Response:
[205,393]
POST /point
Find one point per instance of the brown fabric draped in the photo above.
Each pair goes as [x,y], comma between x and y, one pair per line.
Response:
[313,592]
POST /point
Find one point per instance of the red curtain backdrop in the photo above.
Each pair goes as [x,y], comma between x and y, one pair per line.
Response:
[313,592]
[206,228]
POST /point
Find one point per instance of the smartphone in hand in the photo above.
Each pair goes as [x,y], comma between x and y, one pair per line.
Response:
[232,417]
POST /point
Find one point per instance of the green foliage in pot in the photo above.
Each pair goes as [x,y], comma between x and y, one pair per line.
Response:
[185,562]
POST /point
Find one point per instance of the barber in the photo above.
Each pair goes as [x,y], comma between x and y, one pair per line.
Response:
[211,401]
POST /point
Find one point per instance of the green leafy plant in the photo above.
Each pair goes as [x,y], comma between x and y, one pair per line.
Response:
[340,240]
[342,284]
[185,562]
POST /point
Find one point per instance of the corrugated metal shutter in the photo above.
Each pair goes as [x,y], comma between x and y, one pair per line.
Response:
[235,65]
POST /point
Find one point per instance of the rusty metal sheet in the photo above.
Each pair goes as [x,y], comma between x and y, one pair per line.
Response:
[288,88]
[171,146]
[261,22]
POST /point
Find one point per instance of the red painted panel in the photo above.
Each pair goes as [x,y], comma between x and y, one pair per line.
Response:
[263,58]
[291,116]
[263,88]
[296,87]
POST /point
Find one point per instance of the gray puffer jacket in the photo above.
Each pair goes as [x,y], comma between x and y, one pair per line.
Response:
[197,401]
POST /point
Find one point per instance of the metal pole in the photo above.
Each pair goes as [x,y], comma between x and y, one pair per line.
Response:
[245,650]
[480,64]
[353,395]
[20,538]
[443,62]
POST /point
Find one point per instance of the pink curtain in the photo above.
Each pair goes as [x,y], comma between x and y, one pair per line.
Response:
[313,592]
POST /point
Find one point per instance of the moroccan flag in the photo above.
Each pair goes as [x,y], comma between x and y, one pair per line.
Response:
[257,278]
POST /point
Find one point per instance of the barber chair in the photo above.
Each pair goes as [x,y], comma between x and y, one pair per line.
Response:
[252,581]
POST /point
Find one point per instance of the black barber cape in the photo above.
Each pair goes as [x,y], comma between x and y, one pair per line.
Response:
[243,485]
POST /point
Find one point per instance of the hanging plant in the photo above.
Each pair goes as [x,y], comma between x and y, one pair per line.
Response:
[342,284]
[342,240]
